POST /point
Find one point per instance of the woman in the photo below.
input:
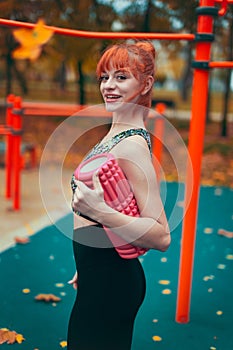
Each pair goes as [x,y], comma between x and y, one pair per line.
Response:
[110,288]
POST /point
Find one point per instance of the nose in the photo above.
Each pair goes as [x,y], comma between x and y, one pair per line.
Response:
[110,83]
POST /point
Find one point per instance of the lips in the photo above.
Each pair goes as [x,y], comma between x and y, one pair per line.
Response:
[111,97]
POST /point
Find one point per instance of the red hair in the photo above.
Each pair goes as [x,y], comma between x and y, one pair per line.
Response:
[138,58]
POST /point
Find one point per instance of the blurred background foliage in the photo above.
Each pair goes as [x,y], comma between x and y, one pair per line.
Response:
[65,71]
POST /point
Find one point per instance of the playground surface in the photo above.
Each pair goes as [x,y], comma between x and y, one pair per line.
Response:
[45,264]
[33,215]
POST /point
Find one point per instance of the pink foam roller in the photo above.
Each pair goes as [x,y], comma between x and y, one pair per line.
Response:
[117,194]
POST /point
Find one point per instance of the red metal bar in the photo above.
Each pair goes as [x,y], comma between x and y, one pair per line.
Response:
[157,147]
[9,141]
[100,35]
[222,11]
[197,129]
[17,128]
[4,130]
[220,1]
[226,64]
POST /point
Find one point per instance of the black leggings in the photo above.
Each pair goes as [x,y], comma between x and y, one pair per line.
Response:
[110,292]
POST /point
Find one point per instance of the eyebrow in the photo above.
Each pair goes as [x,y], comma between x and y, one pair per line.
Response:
[122,70]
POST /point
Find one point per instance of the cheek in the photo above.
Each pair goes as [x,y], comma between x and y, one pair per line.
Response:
[101,89]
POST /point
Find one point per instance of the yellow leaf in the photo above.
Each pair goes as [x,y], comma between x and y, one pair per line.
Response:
[156,338]
[219,312]
[166,291]
[19,338]
[164,282]
[63,344]
[26,290]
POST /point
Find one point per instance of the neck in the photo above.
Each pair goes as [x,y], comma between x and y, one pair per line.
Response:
[130,118]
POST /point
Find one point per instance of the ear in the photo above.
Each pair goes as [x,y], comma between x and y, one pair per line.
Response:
[148,85]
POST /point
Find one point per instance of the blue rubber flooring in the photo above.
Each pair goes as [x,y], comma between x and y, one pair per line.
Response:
[46,264]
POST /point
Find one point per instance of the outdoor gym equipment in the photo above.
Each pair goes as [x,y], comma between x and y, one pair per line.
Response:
[117,194]
[201,65]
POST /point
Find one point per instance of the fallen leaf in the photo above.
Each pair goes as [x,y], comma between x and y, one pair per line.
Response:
[207,278]
[156,338]
[10,337]
[166,291]
[19,338]
[22,240]
[229,256]
[225,233]
[164,282]
[63,344]
[26,290]
[47,297]
[59,285]
[219,312]
[221,266]
[163,259]
[208,230]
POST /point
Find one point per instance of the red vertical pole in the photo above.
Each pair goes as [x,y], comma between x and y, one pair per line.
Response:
[9,140]
[196,141]
[17,128]
[158,141]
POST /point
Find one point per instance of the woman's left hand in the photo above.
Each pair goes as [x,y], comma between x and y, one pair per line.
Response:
[88,201]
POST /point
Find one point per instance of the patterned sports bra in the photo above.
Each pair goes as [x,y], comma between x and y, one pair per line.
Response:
[106,146]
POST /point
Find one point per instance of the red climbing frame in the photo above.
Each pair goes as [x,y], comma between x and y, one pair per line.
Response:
[204,36]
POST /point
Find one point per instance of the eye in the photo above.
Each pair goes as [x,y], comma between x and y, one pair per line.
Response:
[121,77]
[103,78]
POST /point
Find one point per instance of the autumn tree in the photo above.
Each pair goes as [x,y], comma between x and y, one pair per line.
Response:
[16,11]
[228,73]
[75,14]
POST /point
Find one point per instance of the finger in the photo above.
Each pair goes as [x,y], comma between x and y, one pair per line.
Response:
[96,183]
[74,283]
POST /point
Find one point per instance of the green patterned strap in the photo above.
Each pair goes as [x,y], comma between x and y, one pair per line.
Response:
[108,145]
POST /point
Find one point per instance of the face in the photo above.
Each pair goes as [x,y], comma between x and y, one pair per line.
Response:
[119,87]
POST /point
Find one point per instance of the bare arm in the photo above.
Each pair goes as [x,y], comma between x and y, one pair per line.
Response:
[150,230]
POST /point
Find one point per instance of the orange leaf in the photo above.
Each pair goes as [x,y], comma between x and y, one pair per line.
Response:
[10,337]
[24,52]
[47,297]
[31,40]
[21,240]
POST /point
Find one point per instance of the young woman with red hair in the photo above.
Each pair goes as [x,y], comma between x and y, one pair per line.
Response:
[110,289]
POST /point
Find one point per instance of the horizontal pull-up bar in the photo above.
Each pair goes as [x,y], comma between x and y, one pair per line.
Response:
[226,64]
[100,35]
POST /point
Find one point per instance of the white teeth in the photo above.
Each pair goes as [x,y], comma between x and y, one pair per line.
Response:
[112,96]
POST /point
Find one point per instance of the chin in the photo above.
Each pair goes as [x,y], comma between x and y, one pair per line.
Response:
[117,106]
[113,106]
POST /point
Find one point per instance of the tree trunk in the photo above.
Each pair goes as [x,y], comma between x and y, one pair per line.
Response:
[81,82]
[8,73]
[146,23]
[228,80]
[21,79]
[187,77]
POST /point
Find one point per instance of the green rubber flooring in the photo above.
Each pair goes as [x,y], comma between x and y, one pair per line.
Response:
[45,264]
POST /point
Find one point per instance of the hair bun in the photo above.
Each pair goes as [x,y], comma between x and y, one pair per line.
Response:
[147,46]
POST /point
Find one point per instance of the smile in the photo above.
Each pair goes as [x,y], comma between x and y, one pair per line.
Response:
[112,97]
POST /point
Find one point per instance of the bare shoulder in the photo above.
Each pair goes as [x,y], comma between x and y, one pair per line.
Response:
[134,158]
[134,148]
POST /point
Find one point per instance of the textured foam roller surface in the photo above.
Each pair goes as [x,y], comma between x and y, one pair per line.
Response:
[117,194]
